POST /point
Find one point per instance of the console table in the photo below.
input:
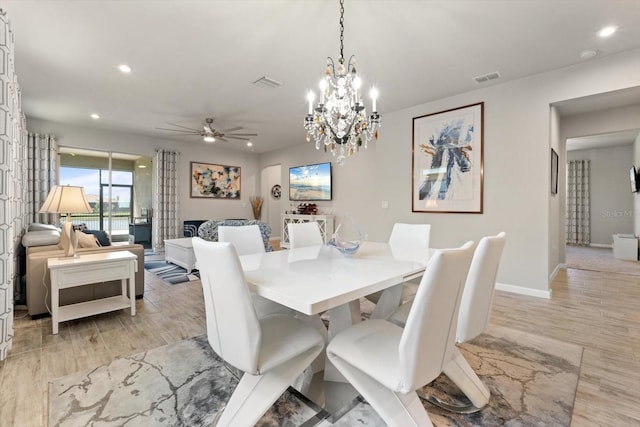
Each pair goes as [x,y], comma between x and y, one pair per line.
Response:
[325,223]
[82,270]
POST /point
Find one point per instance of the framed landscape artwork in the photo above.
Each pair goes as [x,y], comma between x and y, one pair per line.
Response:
[447,165]
[215,181]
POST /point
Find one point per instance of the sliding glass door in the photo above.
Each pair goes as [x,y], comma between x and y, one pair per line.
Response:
[115,185]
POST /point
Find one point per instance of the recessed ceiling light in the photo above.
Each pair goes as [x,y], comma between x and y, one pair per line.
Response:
[124,68]
[588,53]
[95,116]
[607,31]
[249,144]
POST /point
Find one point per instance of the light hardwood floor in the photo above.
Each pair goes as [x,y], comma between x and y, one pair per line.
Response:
[598,311]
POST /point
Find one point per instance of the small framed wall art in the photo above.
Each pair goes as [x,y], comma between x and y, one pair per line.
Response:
[447,165]
[211,181]
[554,172]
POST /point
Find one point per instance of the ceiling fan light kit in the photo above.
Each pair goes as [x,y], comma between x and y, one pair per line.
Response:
[339,121]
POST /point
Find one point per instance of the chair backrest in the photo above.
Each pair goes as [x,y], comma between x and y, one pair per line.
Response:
[233,328]
[410,235]
[304,234]
[246,238]
[477,298]
[428,339]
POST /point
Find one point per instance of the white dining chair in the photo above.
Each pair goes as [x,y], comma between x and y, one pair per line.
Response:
[387,363]
[408,237]
[246,238]
[271,352]
[304,234]
[475,311]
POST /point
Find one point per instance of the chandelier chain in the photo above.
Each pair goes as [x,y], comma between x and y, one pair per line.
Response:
[341,31]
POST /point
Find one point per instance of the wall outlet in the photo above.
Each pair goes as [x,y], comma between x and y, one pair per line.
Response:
[385,204]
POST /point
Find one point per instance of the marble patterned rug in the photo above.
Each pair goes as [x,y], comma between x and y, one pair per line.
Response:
[532,379]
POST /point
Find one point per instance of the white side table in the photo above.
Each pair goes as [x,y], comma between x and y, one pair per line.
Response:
[180,252]
[88,269]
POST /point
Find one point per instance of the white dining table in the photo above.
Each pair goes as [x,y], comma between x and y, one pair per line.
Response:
[315,279]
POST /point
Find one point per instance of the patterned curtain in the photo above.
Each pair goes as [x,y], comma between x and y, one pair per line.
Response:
[42,172]
[167,203]
[578,202]
[12,155]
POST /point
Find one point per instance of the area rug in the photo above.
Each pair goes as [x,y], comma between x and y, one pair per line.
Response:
[599,259]
[171,273]
[532,380]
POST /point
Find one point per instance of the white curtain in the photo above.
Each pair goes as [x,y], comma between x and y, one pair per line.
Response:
[166,205]
[13,215]
[42,175]
[578,203]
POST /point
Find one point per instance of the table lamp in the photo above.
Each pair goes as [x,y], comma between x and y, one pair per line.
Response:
[67,199]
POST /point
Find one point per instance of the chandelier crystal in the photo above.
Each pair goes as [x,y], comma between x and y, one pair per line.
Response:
[339,121]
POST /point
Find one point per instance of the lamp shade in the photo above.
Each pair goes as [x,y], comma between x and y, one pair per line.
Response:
[66,199]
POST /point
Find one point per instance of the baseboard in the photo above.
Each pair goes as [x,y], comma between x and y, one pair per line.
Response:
[555,272]
[600,245]
[524,291]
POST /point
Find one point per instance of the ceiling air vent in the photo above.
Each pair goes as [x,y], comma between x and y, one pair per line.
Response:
[265,81]
[486,77]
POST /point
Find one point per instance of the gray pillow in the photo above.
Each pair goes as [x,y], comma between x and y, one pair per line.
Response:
[36,226]
[40,238]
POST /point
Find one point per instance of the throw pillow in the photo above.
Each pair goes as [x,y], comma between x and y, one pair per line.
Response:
[87,241]
[36,226]
[101,235]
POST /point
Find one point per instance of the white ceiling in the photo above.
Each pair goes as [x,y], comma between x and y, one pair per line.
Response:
[197,59]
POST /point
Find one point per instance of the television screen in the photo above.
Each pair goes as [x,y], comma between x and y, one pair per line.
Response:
[310,182]
[632,177]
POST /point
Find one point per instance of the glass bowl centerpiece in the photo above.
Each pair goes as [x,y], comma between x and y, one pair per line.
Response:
[349,242]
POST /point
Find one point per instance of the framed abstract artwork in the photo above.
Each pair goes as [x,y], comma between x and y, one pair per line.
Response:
[215,181]
[554,172]
[447,166]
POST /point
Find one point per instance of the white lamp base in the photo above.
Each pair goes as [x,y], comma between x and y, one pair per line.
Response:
[69,239]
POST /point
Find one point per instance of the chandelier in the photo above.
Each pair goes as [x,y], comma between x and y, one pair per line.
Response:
[339,121]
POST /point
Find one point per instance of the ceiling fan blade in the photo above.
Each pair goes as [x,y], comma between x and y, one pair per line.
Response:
[221,139]
[232,129]
[183,127]
[237,137]
[242,134]
[188,132]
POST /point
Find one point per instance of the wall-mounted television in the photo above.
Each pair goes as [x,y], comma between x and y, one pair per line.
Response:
[310,182]
[633,177]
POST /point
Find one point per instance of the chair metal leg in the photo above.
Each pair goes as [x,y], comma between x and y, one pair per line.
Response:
[465,378]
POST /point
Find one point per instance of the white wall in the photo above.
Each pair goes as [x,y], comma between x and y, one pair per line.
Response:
[556,201]
[602,122]
[611,197]
[271,208]
[190,208]
[517,125]
[636,198]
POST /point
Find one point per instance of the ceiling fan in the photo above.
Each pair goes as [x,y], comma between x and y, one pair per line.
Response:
[209,133]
